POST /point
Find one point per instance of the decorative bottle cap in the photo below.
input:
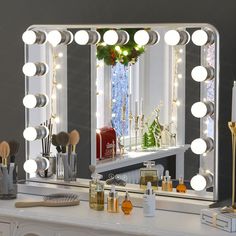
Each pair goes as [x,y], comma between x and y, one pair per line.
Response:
[181,180]
[113,192]
[167,175]
[149,190]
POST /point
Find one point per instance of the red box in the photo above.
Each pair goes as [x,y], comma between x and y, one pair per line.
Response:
[106,135]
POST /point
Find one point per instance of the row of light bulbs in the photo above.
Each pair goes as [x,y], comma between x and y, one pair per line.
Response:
[117,37]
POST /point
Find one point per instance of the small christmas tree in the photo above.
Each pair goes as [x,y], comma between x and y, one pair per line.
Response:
[151,138]
[145,141]
[157,133]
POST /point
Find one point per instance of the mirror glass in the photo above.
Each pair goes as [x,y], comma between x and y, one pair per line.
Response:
[143,98]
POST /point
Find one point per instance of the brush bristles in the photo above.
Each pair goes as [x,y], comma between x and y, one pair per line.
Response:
[61,197]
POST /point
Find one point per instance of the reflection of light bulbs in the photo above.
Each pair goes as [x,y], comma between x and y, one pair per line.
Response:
[34,37]
[201,73]
[59,86]
[145,37]
[37,100]
[33,133]
[119,37]
[202,37]
[200,145]
[176,37]
[56,37]
[35,69]
[57,120]
[202,109]
[30,166]
[203,181]
[85,37]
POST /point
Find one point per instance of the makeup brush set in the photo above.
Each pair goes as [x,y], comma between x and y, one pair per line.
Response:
[8,169]
[66,161]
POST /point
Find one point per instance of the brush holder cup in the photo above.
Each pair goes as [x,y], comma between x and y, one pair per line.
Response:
[50,172]
[8,181]
[66,166]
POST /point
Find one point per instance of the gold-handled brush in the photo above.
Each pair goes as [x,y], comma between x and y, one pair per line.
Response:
[4,152]
[74,139]
[53,200]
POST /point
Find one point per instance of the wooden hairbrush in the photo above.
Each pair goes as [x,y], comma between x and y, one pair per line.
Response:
[52,200]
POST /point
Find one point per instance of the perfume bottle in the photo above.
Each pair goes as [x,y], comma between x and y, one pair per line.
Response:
[165,137]
[149,201]
[112,201]
[127,206]
[181,187]
[96,193]
[167,182]
[149,174]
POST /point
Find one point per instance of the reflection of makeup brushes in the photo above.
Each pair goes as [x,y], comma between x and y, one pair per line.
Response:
[55,143]
[74,139]
[63,139]
[4,152]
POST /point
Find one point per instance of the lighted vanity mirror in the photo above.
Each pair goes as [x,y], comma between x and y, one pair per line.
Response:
[144,99]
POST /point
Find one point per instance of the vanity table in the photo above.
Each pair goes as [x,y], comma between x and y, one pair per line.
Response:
[81,220]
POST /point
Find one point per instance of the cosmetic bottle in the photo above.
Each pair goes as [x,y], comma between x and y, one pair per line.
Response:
[96,193]
[127,206]
[167,182]
[149,201]
[181,187]
[149,174]
[112,201]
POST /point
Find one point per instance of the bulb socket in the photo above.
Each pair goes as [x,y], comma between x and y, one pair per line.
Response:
[123,37]
[42,100]
[209,179]
[66,37]
[41,68]
[42,163]
[42,132]
[41,37]
[184,37]
[92,37]
[154,37]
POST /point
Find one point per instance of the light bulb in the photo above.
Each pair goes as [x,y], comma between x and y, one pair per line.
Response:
[59,86]
[202,181]
[86,37]
[37,100]
[56,37]
[30,166]
[34,37]
[57,119]
[200,145]
[180,76]
[53,97]
[201,73]
[33,133]
[125,53]
[146,37]
[119,37]
[198,182]
[177,37]
[202,37]
[35,69]
[60,54]
[202,109]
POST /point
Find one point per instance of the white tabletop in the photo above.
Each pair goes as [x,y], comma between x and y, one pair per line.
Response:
[164,223]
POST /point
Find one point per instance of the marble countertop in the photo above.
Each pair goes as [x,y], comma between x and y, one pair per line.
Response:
[164,223]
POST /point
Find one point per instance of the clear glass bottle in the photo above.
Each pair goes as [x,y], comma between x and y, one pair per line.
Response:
[149,174]
[181,187]
[165,137]
[149,201]
[112,201]
[167,182]
[126,205]
[96,193]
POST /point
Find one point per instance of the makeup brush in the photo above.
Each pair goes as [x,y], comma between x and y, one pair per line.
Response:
[74,139]
[63,139]
[4,152]
[55,143]
[14,148]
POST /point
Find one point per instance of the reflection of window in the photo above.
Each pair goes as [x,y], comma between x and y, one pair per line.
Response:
[119,94]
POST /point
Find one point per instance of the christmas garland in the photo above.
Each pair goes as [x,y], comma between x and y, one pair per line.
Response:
[124,54]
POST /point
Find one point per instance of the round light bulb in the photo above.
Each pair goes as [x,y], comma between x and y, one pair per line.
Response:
[29,69]
[201,73]
[30,101]
[59,86]
[199,109]
[29,37]
[141,37]
[30,166]
[198,182]
[111,37]
[144,37]
[199,146]
[30,134]
[54,37]
[172,37]
[200,37]
[84,37]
